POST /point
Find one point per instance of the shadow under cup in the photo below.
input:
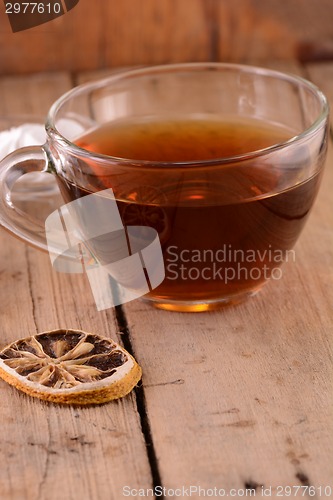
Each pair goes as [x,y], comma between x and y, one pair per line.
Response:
[223,161]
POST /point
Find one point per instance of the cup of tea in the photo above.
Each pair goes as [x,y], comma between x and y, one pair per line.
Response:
[223,161]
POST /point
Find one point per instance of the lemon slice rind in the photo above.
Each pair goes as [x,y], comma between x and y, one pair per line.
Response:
[118,385]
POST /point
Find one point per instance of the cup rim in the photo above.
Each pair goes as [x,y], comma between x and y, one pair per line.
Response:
[76,150]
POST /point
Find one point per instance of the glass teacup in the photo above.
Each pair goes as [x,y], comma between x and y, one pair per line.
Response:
[223,161]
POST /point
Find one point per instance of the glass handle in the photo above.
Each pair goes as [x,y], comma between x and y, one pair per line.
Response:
[18,222]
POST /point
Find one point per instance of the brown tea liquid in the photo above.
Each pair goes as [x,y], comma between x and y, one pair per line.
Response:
[224,229]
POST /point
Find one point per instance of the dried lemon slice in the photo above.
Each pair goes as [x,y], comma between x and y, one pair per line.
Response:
[69,366]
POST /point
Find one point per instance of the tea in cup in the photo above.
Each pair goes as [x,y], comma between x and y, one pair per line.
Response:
[223,161]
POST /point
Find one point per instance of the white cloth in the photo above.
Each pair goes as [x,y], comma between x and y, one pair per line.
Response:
[28,134]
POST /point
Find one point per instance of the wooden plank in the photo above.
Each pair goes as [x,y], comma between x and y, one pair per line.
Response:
[120,33]
[245,395]
[281,30]
[89,76]
[61,44]
[33,95]
[163,31]
[157,32]
[82,452]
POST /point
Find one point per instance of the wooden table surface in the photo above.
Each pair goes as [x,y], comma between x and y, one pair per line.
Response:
[238,398]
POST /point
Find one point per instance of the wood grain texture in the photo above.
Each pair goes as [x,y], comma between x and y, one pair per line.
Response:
[104,34]
[50,451]
[236,397]
[33,94]
[245,395]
